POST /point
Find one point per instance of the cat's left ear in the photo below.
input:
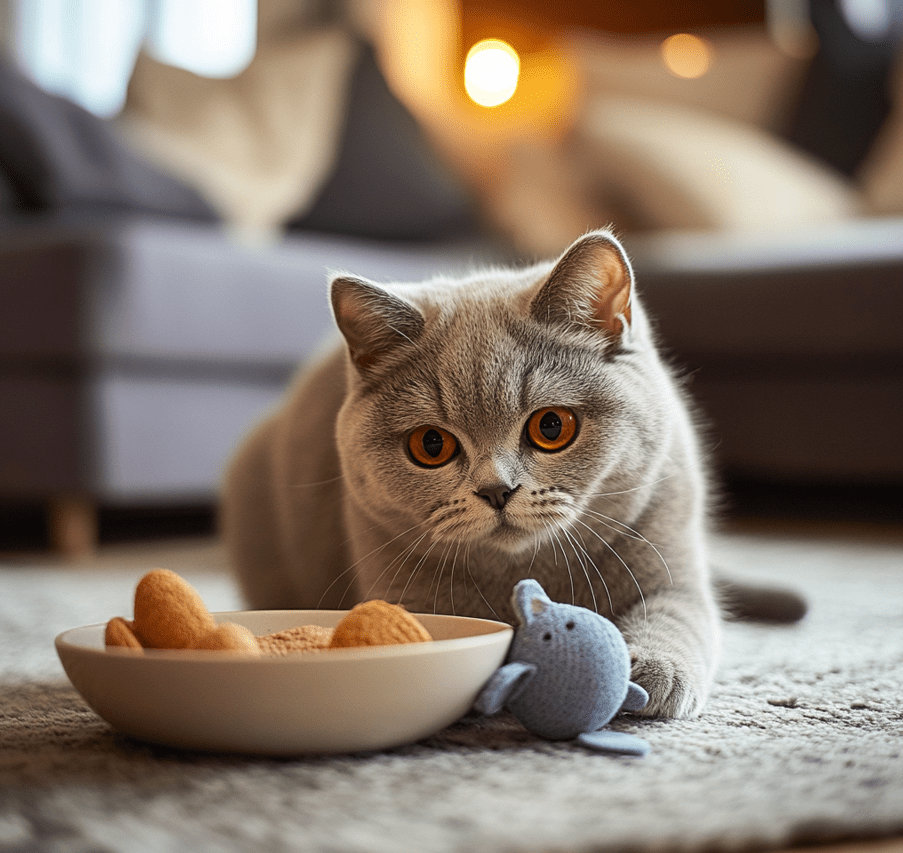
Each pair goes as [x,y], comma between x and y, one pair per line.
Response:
[591,286]
[373,321]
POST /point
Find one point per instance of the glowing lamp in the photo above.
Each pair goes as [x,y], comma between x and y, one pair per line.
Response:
[686,56]
[491,71]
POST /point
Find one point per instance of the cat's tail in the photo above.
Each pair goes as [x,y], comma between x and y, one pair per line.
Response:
[748,602]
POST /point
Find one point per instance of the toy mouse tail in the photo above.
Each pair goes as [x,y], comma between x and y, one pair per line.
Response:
[619,743]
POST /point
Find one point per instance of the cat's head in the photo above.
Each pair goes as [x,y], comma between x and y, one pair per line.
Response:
[490,409]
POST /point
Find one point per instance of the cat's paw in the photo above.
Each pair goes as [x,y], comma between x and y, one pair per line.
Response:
[674,689]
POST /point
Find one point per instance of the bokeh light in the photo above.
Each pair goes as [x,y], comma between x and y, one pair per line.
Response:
[491,71]
[686,55]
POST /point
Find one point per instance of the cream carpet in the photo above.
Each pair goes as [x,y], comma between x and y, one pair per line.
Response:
[801,743]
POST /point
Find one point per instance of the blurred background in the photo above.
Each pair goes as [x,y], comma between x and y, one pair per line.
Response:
[177,175]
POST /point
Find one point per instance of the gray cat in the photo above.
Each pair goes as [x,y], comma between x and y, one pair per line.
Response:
[477,431]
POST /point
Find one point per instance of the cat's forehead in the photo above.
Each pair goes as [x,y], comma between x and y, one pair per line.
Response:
[489,363]
[482,360]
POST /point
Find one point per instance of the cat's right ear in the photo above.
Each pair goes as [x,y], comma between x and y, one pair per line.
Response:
[373,321]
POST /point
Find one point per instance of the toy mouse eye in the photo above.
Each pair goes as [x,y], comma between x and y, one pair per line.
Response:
[552,428]
[547,636]
[432,446]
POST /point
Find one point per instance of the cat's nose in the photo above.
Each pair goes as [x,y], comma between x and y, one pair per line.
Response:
[497,496]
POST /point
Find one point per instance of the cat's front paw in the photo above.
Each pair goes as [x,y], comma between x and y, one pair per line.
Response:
[673,687]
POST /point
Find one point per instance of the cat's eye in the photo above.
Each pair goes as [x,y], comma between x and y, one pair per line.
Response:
[552,428]
[432,446]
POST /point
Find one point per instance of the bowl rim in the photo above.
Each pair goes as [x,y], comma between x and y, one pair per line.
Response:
[64,642]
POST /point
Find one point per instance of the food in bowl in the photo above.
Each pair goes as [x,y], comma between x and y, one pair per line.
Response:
[320,700]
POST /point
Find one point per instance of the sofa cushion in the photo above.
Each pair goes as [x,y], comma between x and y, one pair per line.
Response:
[670,167]
[387,182]
[309,137]
[57,157]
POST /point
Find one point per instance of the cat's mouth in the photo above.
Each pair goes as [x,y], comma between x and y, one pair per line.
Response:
[501,532]
[512,528]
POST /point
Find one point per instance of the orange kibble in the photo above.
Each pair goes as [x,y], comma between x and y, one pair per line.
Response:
[378,623]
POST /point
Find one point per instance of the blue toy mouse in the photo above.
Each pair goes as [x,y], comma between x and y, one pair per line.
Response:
[567,674]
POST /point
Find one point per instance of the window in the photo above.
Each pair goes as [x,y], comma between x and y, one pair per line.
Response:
[86,49]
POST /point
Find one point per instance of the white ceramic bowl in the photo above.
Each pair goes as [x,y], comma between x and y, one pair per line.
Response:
[338,700]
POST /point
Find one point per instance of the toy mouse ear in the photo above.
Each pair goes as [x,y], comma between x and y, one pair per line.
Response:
[530,600]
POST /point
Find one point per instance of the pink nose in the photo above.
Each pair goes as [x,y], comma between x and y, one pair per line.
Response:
[497,495]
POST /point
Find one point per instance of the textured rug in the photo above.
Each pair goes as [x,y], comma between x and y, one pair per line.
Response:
[802,741]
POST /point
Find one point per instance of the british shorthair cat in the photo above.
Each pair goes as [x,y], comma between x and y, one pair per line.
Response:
[472,432]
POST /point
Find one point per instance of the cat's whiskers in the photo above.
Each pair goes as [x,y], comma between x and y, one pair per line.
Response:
[611,548]
[420,564]
[598,571]
[554,538]
[400,558]
[356,563]
[448,523]
[596,568]
[480,592]
[537,543]
[401,555]
[638,488]
[319,483]
[440,570]
[630,533]
[580,560]
[451,579]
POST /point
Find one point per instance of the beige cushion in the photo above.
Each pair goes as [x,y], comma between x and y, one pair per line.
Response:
[257,146]
[667,166]
[881,173]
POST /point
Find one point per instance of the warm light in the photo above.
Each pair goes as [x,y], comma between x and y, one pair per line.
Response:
[491,71]
[686,56]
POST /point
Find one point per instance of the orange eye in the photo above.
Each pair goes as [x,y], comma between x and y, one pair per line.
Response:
[552,428]
[432,446]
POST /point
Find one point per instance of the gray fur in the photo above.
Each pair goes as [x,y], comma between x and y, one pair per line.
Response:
[323,506]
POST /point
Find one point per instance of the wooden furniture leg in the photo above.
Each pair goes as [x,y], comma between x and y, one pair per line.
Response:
[73,527]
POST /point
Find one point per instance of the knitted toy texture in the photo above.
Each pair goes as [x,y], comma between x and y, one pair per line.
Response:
[567,675]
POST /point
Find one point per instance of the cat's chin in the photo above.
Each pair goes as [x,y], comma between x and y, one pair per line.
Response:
[510,539]
[506,539]
[513,546]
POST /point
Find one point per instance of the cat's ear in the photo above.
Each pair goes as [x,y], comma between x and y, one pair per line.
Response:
[373,321]
[590,286]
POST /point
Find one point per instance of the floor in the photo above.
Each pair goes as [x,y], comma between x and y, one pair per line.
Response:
[885,845]
[186,538]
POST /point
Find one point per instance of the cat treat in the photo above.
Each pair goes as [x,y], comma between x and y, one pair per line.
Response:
[378,623]
[169,614]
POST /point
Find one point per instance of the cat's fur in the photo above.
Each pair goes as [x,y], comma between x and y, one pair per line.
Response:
[324,506]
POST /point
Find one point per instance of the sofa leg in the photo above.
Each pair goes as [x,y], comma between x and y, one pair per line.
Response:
[73,527]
